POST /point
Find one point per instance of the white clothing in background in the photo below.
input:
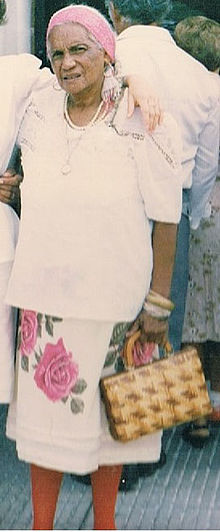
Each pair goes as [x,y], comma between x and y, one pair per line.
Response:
[17,74]
[8,238]
[188,92]
[202,313]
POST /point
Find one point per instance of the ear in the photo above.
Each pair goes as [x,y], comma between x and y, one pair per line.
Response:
[107,59]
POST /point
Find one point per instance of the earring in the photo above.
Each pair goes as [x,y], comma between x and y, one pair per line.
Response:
[56,86]
[111,86]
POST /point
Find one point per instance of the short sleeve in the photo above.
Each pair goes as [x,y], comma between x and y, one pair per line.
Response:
[160,173]
[159,162]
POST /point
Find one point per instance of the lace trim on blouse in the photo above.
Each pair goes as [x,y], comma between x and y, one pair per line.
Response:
[161,138]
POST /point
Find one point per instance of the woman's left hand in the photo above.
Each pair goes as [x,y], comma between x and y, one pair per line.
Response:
[141,94]
[152,330]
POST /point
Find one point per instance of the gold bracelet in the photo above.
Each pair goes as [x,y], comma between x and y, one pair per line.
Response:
[159,313]
[159,301]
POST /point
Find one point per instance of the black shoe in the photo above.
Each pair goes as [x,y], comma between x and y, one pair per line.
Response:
[129,477]
[197,435]
[146,470]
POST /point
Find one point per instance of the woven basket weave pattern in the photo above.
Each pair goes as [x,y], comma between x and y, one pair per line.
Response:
[159,395]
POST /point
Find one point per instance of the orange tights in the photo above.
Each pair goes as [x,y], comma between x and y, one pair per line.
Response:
[105,482]
[45,490]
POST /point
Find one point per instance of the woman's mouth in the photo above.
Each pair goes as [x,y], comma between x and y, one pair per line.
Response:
[70,77]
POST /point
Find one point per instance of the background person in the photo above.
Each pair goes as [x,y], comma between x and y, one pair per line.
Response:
[9,193]
[200,37]
[9,225]
[75,287]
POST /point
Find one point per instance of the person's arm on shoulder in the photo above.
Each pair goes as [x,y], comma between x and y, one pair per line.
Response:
[141,94]
[135,68]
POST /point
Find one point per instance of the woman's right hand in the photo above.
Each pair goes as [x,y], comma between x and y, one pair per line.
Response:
[10,189]
[152,330]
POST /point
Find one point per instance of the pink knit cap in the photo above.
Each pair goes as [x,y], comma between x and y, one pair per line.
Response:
[92,20]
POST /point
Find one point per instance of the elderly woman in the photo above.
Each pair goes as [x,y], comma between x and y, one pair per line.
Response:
[83,266]
[20,73]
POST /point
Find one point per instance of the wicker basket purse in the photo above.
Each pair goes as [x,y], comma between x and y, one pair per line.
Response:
[159,395]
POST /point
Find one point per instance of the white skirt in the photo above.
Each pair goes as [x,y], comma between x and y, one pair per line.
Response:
[8,237]
[57,417]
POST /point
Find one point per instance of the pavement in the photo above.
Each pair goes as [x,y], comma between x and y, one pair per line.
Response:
[182,495]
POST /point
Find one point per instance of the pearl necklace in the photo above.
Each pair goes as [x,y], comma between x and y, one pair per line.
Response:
[66,169]
[74,126]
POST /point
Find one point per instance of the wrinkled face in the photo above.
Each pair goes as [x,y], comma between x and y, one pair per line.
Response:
[76,59]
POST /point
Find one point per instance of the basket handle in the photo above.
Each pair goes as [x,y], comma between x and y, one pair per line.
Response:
[127,353]
[168,349]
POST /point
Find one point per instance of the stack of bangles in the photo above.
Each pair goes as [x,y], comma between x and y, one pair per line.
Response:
[157,306]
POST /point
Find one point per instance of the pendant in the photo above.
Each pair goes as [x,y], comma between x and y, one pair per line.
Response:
[66,169]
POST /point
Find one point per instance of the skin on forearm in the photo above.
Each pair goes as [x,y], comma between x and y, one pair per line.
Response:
[164,249]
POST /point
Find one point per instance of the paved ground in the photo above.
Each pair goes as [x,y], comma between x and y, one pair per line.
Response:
[183,495]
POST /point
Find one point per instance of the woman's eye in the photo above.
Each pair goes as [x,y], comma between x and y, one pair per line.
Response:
[57,54]
[78,49]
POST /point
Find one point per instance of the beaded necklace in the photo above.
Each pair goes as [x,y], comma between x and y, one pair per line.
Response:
[66,169]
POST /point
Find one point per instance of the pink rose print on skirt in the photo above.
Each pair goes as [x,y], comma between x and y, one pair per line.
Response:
[143,353]
[56,373]
[29,328]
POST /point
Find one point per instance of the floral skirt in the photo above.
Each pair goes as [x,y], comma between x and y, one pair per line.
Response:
[202,313]
[57,417]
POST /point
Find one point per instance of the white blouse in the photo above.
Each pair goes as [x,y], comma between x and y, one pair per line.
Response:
[84,246]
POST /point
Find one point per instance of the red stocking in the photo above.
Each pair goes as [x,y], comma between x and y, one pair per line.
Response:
[105,482]
[45,491]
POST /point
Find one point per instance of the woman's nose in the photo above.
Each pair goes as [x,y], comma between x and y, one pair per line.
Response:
[68,60]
